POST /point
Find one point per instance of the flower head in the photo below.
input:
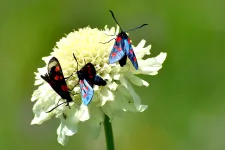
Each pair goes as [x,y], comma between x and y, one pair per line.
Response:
[116,97]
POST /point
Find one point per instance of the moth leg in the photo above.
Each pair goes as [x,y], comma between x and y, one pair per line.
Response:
[58,102]
[68,105]
[56,106]
[108,41]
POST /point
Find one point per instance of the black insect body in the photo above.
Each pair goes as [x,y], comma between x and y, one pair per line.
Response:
[122,47]
[87,79]
[56,80]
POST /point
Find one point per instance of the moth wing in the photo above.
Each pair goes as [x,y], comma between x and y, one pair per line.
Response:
[87,92]
[89,68]
[89,73]
[117,52]
[56,78]
[99,81]
[130,53]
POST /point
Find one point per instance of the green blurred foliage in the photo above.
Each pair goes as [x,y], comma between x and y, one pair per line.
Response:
[186,99]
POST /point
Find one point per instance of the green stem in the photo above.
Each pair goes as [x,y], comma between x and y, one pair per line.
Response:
[108,134]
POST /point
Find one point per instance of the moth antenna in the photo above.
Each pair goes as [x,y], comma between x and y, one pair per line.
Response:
[76,61]
[136,28]
[55,107]
[115,20]
[107,41]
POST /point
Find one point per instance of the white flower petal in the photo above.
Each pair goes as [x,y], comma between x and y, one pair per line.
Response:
[136,80]
[107,77]
[105,95]
[112,109]
[68,126]
[161,57]
[125,103]
[38,82]
[62,138]
[112,86]
[151,66]
[46,59]
[140,51]
[136,98]
[116,77]
[83,113]
[96,121]
[107,110]
[40,108]
[70,119]
[39,119]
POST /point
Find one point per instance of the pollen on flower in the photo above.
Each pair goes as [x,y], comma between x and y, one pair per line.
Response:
[117,95]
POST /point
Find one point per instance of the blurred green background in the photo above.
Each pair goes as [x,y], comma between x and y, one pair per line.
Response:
[186,99]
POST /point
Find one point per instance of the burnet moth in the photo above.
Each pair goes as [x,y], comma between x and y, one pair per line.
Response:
[122,47]
[56,80]
[87,79]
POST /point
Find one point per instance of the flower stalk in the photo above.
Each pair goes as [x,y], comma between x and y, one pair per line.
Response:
[108,134]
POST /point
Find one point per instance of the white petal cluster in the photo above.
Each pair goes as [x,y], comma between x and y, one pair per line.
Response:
[116,97]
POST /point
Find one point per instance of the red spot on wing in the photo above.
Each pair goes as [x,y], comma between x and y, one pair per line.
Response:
[128,40]
[61,77]
[119,48]
[56,77]
[91,76]
[118,39]
[113,54]
[131,51]
[85,95]
[57,69]
[85,88]
[135,59]
[64,88]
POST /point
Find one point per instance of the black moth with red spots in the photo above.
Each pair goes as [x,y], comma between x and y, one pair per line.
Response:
[122,36]
[56,80]
[122,47]
[87,79]
[88,72]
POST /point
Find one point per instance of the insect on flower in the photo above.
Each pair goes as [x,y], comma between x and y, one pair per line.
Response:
[122,47]
[87,79]
[117,97]
[57,81]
